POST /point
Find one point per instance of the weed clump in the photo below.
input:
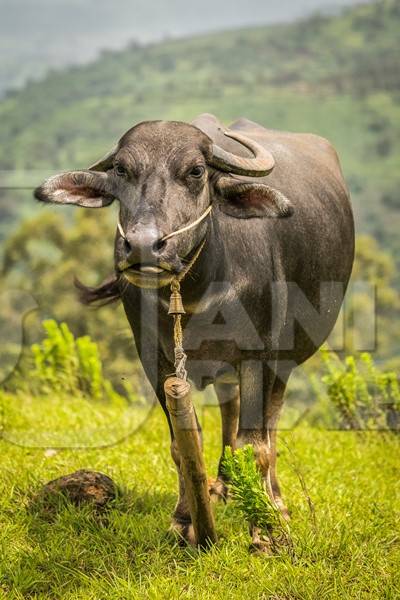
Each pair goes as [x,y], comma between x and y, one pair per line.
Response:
[251,499]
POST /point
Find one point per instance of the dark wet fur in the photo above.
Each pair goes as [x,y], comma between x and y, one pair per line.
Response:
[108,292]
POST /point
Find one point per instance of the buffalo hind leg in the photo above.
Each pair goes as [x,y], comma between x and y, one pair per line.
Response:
[261,399]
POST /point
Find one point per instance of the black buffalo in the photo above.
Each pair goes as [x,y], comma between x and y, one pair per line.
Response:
[275,257]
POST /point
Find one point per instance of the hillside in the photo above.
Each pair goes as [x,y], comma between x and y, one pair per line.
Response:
[336,76]
[38,35]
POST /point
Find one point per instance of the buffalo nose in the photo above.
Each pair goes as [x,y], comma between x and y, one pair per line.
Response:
[143,246]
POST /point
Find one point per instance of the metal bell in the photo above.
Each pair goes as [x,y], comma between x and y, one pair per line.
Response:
[175,304]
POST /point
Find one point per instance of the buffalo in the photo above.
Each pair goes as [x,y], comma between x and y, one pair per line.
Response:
[257,224]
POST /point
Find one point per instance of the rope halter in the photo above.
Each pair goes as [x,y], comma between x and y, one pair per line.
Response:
[178,231]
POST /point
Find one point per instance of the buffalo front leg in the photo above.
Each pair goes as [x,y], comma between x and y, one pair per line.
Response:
[142,311]
[157,368]
[188,448]
[273,409]
[181,521]
[229,400]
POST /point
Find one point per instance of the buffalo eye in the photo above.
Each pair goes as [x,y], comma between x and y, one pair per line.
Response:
[120,170]
[197,172]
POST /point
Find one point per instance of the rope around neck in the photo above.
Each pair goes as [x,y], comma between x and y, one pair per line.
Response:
[176,309]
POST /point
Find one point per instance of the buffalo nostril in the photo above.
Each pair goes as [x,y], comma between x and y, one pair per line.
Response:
[127,246]
[159,245]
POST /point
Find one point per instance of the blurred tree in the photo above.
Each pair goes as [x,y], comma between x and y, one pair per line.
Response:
[378,269]
[43,257]
[374,307]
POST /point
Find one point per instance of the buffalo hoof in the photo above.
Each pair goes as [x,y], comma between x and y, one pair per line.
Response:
[183,530]
[271,543]
[262,548]
[261,543]
[218,490]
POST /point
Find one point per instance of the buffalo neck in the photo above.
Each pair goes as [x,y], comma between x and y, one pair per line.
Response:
[209,267]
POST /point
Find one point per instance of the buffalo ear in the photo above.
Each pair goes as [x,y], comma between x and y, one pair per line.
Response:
[81,188]
[245,200]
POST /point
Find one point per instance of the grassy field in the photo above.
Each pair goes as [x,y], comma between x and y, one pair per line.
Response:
[352,551]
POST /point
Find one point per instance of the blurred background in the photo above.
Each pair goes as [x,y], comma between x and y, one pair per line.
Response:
[74,75]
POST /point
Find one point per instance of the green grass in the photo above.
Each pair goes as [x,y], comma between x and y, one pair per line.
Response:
[353,552]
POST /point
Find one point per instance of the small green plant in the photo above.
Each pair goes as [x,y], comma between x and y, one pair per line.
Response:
[251,499]
[363,395]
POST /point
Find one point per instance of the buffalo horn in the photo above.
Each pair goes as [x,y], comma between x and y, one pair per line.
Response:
[258,166]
